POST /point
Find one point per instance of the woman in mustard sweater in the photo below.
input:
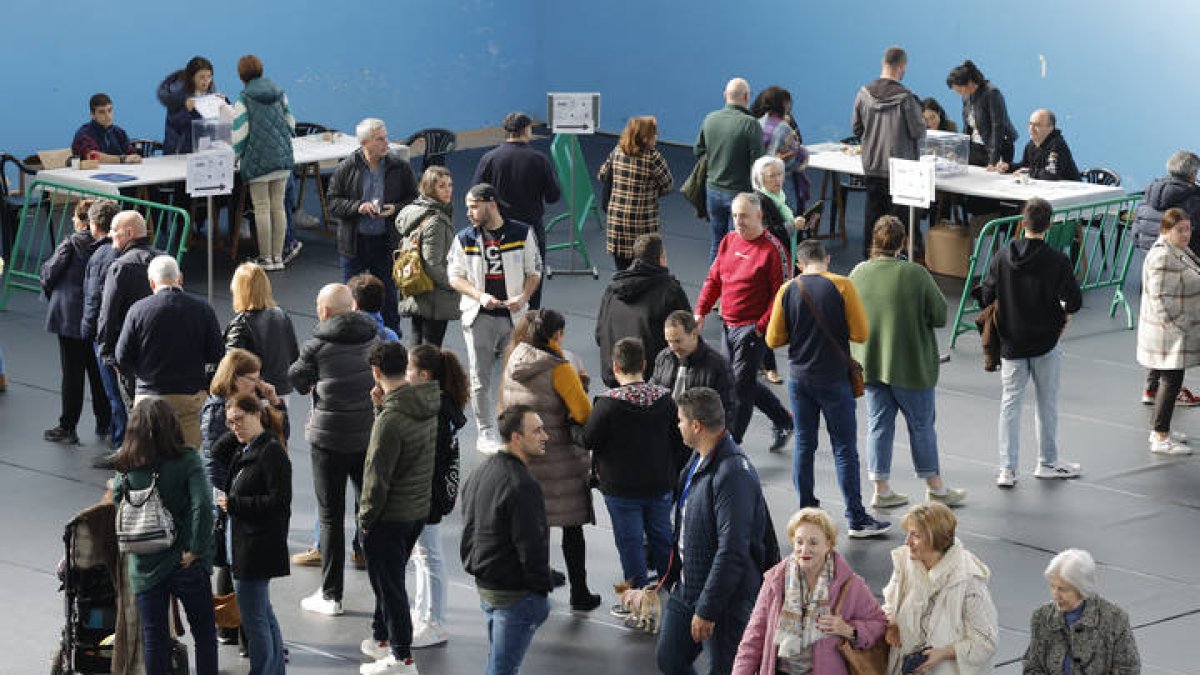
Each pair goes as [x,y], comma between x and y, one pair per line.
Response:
[900,362]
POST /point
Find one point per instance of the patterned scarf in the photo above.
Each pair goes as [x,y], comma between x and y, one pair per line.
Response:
[797,629]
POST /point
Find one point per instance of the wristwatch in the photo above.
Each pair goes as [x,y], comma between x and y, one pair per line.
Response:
[853,636]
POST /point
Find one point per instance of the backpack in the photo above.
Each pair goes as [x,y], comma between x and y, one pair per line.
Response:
[144,525]
[408,269]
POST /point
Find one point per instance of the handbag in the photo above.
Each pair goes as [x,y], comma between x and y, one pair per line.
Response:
[408,270]
[870,661]
[857,382]
[144,525]
[226,609]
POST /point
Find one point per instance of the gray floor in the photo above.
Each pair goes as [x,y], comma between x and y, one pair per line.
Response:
[1136,512]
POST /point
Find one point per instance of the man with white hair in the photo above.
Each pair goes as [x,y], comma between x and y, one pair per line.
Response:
[731,139]
[366,192]
[125,281]
[168,340]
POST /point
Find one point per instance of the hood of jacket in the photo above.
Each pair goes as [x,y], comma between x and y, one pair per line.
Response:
[83,243]
[1168,192]
[885,94]
[416,401]
[414,214]
[171,92]
[634,282]
[348,328]
[527,362]
[264,91]
[640,395]
[1027,252]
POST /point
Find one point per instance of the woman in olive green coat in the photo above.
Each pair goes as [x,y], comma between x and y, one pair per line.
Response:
[429,221]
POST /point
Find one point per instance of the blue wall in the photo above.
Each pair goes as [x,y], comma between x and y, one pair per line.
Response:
[452,63]
[1119,74]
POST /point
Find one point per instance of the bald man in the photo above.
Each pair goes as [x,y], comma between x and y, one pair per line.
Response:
[167,341]
[1046,156]
[126,281]
[333,366]
[731,139]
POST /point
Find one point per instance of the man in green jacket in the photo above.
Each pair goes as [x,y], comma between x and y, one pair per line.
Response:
[731,139]
[397,486]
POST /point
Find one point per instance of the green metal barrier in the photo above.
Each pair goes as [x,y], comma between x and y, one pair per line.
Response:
[1095,236]
[46,220]
[573,174]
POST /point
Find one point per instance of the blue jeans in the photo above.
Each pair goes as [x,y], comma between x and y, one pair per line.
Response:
[510,630]
[375,256]
[917,405]
[108,376]
[745,349]
[429,576]
[720,213]
[388,546]
[836,403]
[190,585]
[638,519]
[289,205]
[1015,374]
[676,652]
[261,627]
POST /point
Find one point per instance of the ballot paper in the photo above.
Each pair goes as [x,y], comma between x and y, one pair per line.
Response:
[209,106]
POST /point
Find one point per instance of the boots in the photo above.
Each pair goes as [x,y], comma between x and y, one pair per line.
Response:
[574,550]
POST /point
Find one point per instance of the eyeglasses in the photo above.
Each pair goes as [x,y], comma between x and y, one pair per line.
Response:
[234,420]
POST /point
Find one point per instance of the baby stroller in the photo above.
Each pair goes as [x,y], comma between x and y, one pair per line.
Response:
[88,574]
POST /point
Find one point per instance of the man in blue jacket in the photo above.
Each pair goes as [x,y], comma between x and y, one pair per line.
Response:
[719,519]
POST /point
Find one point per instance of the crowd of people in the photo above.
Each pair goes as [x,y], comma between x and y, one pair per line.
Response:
[199,411]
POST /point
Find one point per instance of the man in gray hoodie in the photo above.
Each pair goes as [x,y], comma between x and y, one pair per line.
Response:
[887,118]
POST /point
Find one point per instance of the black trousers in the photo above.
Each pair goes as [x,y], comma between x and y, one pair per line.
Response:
[388,547]
[330,471]
[428,331]
[77,358]
[1169,383]
[540,232]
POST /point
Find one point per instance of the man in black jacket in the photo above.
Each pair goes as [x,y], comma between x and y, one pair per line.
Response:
[687,361]
[333,365]
[366,192]
[1035,289]
[125,282]
[634,437]
[1046,156]
[505,539]
[636,304]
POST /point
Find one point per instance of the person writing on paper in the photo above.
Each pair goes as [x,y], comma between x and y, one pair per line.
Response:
[1046,156]
[181,93]
[102,140]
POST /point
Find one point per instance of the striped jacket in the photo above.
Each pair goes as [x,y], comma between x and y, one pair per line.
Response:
[637,184]
[518,256]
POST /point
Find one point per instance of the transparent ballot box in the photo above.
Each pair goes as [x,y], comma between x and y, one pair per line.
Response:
[949,150]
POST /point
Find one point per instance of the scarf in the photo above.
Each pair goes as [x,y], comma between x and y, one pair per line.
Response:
[780,201]
[797,629]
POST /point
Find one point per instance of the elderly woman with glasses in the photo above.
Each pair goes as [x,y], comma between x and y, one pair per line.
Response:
[1078,631]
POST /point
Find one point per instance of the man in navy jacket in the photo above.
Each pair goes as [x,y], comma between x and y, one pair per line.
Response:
[719,519]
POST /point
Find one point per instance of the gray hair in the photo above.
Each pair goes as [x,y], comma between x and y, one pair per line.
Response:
[164,270]
[702,405]
[367,127]
[102,212]
[760,167]
[1183,165]
[1076,567]
[750,199]
[810,251]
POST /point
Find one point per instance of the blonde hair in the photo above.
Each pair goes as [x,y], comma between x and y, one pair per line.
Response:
[934,520]
[235,363]
[251,288]
[813,516]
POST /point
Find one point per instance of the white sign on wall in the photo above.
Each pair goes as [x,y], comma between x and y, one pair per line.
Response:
[573,113]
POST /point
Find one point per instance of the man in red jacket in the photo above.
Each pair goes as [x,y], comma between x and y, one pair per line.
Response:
[748,270]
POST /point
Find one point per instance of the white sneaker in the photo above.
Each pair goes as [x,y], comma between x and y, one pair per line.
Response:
[489,442]
[1177,436]
[1006,478]
[428,635]
[1059,469]
[374,649]
[888,501]
[305,219]
[389,666]
[951,497]
[1168,446]
[317,603]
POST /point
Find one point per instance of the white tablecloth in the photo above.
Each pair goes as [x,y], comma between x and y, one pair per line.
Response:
[173,168]
[978,182]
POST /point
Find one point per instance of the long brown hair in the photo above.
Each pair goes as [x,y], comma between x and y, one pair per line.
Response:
[152,437]
[444,367]
[236,363]
[638,136]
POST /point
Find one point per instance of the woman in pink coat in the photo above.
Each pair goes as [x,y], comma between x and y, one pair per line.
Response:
[793,629]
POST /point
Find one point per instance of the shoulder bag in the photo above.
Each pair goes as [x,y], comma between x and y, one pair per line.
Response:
[870,661]
[144,526]
[857,383]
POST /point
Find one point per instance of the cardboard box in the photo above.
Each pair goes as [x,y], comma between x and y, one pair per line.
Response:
[948,249]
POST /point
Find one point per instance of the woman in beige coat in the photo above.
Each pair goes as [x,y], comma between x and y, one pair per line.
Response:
[537,374]
[1167,339]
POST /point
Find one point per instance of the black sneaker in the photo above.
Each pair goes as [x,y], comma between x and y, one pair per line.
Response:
[558,578]
[586,602]
[779,439]
[869,527]
[103,430]
[61,435]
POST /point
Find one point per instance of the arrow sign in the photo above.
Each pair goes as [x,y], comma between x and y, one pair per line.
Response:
[210,173]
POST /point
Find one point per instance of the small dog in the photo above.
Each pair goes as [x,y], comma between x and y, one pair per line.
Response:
[644,605]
